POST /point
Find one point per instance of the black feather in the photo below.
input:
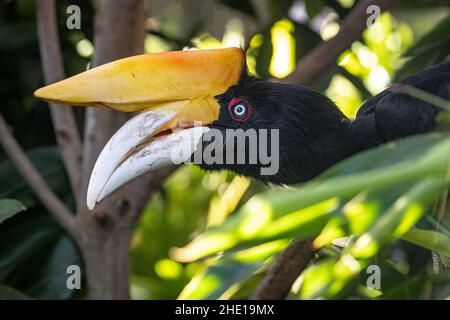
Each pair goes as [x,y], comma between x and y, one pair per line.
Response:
[315,134]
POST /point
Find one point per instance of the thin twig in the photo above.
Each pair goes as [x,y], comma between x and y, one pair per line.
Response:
[288,265]
[28,171]
[293,260]
[64,124]
[321,58]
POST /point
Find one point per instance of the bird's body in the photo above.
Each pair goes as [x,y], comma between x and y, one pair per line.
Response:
[315,134]
[177,89]
[398,114]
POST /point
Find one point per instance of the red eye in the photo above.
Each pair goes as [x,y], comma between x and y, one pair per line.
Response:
[240,109]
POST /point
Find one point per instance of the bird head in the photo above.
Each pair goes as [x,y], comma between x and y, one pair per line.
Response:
[191,103]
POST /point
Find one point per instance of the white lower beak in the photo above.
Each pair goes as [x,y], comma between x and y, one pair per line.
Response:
[133,151]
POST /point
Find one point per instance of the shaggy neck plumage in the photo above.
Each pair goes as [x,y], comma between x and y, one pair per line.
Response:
[313,133]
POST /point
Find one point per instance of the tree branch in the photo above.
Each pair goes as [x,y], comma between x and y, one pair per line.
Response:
[119,33]
[288,265]
[28,171]
[324,56]
[64,124]
[293,260]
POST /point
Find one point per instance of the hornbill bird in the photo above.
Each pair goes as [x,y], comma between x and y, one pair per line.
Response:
[174,91]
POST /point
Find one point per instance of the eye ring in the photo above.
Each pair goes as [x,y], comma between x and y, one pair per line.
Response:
[240,109]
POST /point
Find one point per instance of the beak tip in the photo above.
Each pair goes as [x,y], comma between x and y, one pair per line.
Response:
[53,94]
[90,206]
[91,202]
[38,93]
[43,94]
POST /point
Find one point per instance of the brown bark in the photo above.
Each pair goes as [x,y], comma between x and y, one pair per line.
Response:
[119,32]
[324,56]
[65,127]
[288,265]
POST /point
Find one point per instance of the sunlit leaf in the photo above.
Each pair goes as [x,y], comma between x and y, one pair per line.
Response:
[429,239]
[403,214]
[397,220]
[317,278]
[304,211]
[222,277]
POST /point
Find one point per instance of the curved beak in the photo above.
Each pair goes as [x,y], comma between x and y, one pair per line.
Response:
[175,93]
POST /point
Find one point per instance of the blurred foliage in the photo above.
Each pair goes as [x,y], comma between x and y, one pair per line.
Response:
[213,235]
[34,251]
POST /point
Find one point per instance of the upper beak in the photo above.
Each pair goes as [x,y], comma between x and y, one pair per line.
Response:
[174,90]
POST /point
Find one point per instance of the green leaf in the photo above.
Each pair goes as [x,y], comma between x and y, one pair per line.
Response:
[23,35]
[278,9]
[420,4]
[21,237]
[222,278]
[359,214]
[425,96]
[264,55]
[50,277]
[429,239]
[212,282]
[9,208]
[50,166]
[404,288]
[8,293]
[304,211]
[396,153]
[317,278]
[336,6]
[314,7]
[433,39]
[420,62]
[397,220]
[305,40]
[427,51]
[357,82]
[392,224]
[26,240]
